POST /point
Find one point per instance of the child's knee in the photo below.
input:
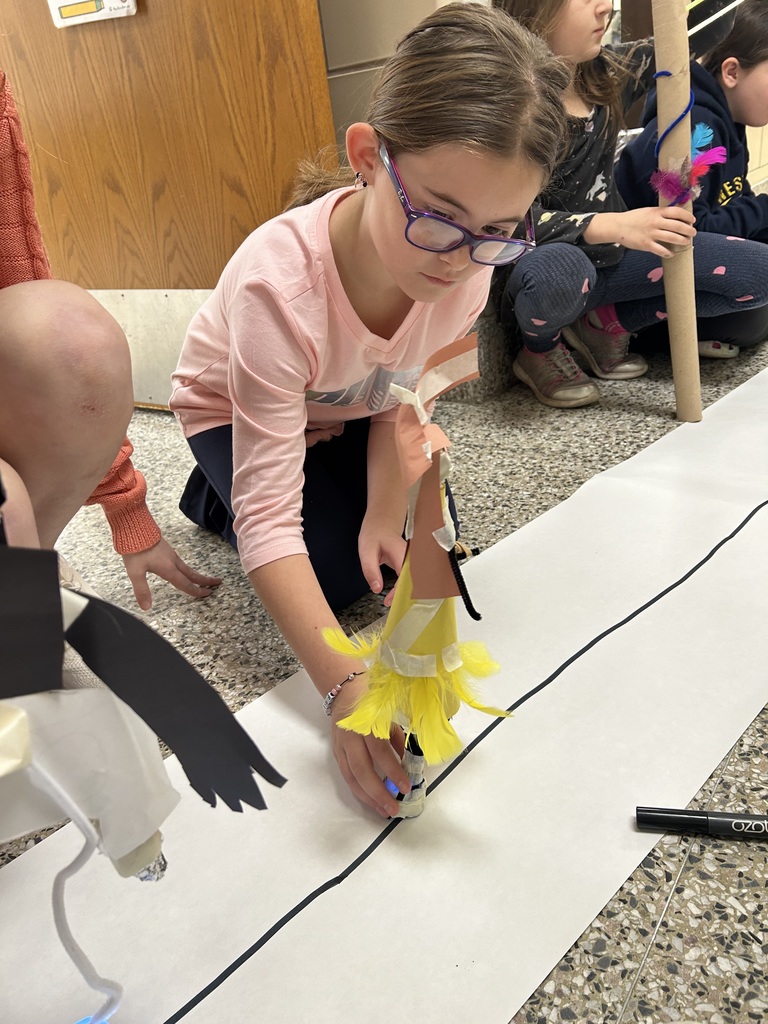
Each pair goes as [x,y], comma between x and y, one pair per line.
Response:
[560,276]
[85,330]
[58,342]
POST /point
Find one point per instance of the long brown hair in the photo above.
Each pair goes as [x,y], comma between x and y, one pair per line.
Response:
[465,74]
[747,41]
[599,81]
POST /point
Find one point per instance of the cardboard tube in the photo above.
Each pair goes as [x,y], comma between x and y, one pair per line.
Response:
[671,41]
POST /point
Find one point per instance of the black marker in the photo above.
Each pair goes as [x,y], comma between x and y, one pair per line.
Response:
[711,823]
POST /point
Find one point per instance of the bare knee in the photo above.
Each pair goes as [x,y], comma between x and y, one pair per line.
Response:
[65,395]
[64,361]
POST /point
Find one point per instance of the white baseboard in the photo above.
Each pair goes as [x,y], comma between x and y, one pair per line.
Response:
[154,321]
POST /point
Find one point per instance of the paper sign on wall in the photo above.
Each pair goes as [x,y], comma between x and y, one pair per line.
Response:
[77,12]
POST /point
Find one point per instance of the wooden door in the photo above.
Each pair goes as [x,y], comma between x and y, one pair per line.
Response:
[159,141]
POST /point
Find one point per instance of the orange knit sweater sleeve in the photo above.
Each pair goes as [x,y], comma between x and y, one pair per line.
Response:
[22,252]
[122,495]
[23,258]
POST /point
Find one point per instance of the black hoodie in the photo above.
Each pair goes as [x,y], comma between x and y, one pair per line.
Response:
[727,204]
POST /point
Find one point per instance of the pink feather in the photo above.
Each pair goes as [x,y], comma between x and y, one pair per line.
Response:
[669,184]
[680,186]
[703,161]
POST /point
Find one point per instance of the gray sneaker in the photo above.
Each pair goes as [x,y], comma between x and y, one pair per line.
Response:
[606,350]
[555,378]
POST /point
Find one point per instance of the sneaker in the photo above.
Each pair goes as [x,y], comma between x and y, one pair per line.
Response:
[555,378]
[717,350]
[605,348]
[71,579]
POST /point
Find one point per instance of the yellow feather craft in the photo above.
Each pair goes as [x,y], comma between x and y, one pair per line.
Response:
[419,673]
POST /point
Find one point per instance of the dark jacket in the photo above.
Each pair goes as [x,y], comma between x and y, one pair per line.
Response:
[727,204]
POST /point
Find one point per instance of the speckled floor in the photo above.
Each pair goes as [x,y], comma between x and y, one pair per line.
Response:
[684,938]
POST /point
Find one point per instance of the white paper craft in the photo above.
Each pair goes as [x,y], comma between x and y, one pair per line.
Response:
[77,12]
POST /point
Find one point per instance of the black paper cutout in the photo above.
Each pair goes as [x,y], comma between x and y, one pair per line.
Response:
[137,664]
[3,538]
[144,670]
[31,629]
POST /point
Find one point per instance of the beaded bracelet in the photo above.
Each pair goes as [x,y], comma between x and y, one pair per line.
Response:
[331,696]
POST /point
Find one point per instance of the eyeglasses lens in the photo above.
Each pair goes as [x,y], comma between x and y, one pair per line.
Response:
[498,252]
[437,236]
[433,234]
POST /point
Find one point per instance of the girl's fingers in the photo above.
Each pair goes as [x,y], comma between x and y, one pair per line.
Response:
[197,577]
[357,756]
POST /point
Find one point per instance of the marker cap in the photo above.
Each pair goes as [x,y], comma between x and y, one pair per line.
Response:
[665,819]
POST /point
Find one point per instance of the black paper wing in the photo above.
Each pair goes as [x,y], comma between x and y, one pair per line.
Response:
[31,639]
[151,677]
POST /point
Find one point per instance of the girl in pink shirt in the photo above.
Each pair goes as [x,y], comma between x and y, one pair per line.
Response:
[282,388]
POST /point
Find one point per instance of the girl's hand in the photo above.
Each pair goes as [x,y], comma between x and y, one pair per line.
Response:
[312,437]
[162,560]
[365,760]
[379,544]
[662,231]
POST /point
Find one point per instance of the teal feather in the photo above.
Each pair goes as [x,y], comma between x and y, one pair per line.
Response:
[701,137]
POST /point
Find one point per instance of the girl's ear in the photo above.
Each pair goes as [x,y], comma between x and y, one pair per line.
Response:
[730,72]
[363,149]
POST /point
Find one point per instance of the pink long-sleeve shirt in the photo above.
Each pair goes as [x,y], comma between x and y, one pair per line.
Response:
[277,349]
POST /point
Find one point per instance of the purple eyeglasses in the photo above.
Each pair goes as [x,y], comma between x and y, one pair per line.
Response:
[434,233]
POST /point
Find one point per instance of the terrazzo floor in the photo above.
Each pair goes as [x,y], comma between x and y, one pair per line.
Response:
[685,938]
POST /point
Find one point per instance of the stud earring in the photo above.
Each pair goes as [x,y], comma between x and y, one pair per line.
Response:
[360,181]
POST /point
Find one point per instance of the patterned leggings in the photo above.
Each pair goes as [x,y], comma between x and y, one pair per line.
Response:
[552,286]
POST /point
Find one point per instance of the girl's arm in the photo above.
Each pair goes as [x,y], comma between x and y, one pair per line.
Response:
[650,229]
[745,215]
[289,590]
[638,62]
[381,535]
[136,536]
[269,368]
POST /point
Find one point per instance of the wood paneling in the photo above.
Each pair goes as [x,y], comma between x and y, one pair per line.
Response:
[636,19]
[159,141]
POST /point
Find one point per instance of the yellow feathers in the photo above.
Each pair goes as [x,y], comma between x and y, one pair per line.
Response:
[424,702]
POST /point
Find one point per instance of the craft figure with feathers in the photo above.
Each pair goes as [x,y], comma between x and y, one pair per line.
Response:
[681,185]
[419,673]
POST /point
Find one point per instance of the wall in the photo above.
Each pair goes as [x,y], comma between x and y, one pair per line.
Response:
[359,35]
[158,142]
[757,140]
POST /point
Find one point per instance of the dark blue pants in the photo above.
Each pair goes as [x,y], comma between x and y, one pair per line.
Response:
[554,285]
[335,499]
[334,504]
